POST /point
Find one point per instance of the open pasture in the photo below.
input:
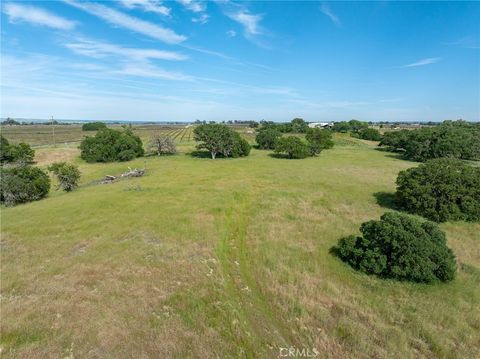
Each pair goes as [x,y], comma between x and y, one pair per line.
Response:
[226,258]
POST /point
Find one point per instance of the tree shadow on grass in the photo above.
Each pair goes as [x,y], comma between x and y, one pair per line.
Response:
[392,154]
[282,156]
[200,154]
[387,200]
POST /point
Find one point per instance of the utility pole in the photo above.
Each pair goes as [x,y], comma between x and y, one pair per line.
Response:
[53,133]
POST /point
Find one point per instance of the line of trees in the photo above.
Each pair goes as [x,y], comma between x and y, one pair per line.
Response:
[316,140]
[358,129]
[457,139]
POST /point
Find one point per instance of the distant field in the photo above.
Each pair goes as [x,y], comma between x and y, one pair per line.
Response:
[221,259]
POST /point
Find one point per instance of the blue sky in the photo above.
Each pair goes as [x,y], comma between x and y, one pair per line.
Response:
[148,60]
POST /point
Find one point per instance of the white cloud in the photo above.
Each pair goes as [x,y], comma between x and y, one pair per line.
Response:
[467,42]
[325,8]
[198,8]
[118,18]
[202,19]
[250,22]
[101,49]
[192,5]
[423,62]
[151,71]
[147,5]
[231,33]
[37,16]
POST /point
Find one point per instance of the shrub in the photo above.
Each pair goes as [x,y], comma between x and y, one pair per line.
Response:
[241,147]
[267,138]
[23,184]
[370,134]
[318,140]
[220,139]
[442,189]
[293,147]
[93,126]
[67,174]
[111,145]
[399,247]
[162,145]
[21,153]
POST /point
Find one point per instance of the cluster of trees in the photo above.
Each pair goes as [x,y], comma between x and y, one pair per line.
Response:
[19,154]
[316,140]
[110,145]
[441,189]
[297,125]
[21,182]
[457,139]
[399,247]
[93,126]
[357,129]
[219,139]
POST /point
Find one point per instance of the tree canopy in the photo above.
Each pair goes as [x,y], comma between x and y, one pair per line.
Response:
[221,140]
[457,139]
[318,140]
[293,147]
[93,126]
[111,145]
[266,138]
[399,247]
[441,189]
[21,184]
[20,154]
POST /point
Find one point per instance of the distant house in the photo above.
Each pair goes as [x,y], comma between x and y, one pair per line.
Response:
[320,124]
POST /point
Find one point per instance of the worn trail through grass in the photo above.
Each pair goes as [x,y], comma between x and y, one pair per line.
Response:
[257,317]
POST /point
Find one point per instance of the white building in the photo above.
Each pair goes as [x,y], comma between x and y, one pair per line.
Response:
[320,124]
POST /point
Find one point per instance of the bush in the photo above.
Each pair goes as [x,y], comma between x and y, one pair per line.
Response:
[318,140]
[400,247]
[267,138]
[442,189]
[220,140]
[111,145]
[241,146]
[370,134]
[162,145]
[67,174]
[93,126]
[293,147]
[23,184]
[20,154]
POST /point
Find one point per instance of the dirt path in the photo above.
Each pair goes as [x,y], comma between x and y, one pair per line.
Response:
[265,328]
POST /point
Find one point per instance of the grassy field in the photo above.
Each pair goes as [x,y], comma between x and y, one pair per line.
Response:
[222,259]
